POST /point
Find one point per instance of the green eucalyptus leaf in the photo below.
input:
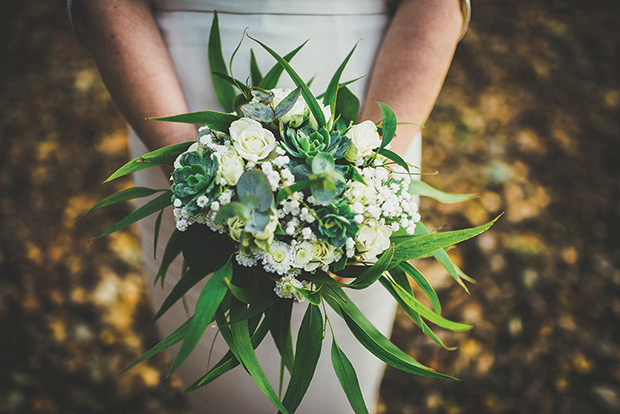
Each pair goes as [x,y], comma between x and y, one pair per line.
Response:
[287,103]
[162,156]
[258,111]
[217,121]
[426,190]
[223,89]
[149,208]
[253,182]
[263,96]
[291,189]
[323,163]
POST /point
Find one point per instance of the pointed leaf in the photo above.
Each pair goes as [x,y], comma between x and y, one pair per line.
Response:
[413,247]
[426,190]
[124,195]
[224,91]
[307,354]
[233,82]
[167,342]
[162,156]
[209,300]
[149,208]
[347,105]
[270,80]
[311,101]
[229,361]
[243,344]
[373,273]
[257,77]
[217,121]
[348,379]
[426,287]
[332,89]
[246,296]
[280,317]
[156,233]
[185,283]
[394,157]
[173,249]
[373,340]
[388,124]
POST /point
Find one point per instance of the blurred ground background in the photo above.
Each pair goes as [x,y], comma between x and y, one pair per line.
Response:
[529,119]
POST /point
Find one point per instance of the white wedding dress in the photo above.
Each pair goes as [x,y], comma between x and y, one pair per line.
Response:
[333,27]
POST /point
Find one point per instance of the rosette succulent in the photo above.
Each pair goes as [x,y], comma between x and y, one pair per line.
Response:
[305,143]
[194,180]
[336,223]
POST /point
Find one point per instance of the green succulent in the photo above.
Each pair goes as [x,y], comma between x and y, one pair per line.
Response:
[195,178]
[336,223]
[305,143]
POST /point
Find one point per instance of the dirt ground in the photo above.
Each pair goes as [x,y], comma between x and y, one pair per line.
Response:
[528,119]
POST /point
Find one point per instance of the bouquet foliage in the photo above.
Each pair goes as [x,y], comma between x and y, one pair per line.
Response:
[273,199]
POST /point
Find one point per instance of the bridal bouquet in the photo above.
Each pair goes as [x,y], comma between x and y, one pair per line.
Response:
[281,199]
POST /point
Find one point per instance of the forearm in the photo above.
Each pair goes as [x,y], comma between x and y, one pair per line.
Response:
[413,62]
[136,68]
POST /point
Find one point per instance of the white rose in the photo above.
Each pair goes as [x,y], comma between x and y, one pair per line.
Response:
[230,167]
[295,116]
[373,239]
[251,140]
[322,254]
[364,138]
[235,228]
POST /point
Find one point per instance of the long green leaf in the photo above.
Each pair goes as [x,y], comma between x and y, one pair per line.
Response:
[245,351]
[347,105]
[224,91]
[271,78]
[426,190]
[415,316]
[257,77]
[375,341]
[149,208]
[229,361]
[348,379]
[394,157]
[442,257]
[414,247]
[162,156]
[259,305]
[280,317]
[426,313]
[426,287]
[172,251]
[332,89]
[187,281]
[311,101]
[307,354]
[373,273]
[167,342]
[124,195]
[388,124]
[209,300]
[156,233]
[217,121]
[233,82]
[246,296]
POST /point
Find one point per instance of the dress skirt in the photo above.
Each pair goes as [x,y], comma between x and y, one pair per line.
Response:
[333,28]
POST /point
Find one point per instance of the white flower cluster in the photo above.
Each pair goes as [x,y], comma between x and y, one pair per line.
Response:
[290,243]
